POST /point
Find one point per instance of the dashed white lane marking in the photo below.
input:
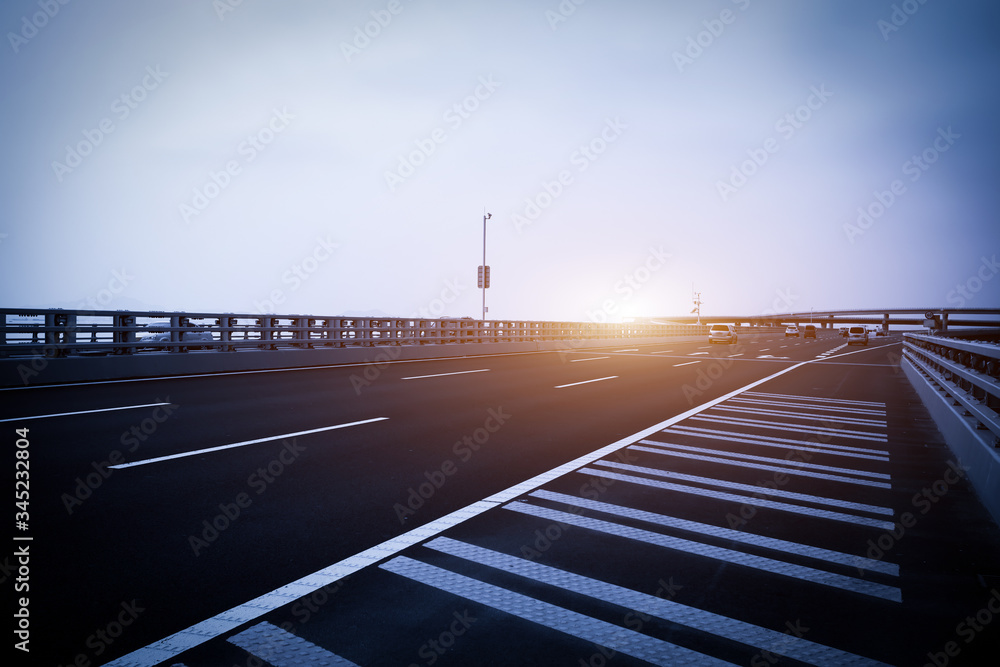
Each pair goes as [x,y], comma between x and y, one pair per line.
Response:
[549,615]
[708,551]
[783,443]
[438,375]
[281,648]
[244,443]
[629,350]
[764,466]
[573,384]
[687,363]
[780,426]
[765,459]
[662,352]
[740,536]
[812,416]
[84,412]
[752,488]
[743,500]
[587,359]
[675,612]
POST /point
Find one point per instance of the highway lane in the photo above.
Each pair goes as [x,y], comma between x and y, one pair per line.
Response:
[656,564]
[338,491]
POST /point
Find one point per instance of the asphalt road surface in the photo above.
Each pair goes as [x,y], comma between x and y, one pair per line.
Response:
[670,504]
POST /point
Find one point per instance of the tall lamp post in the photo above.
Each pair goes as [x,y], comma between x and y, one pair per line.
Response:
[484,270]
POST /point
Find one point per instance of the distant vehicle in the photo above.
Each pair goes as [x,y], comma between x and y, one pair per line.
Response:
[792,330]
[722,333]
[881,332]
[157,338]
[843,331]
[857,335]
[809,331]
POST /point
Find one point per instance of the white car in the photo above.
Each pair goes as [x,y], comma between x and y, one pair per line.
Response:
[158,339]
[857,335]
[722,333]
[792,330]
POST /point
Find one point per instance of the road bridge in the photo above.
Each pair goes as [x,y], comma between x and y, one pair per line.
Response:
[649,501]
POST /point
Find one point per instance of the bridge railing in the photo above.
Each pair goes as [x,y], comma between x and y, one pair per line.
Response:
[965,367]
[61,333]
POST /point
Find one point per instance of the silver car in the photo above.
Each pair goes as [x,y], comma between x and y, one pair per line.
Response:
[722,333]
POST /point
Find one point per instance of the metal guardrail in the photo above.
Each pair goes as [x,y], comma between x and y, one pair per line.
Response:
[61,333]
[966,367]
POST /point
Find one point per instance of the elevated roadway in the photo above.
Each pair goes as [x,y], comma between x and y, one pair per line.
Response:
[224,519]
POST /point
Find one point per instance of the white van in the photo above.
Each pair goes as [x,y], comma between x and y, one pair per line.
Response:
[722,333]
[857,335]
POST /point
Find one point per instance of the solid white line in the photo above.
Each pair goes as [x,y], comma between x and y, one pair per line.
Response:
[83,412]
[816,430]
[784,443]
[835,401]
[687,363]
[809,406]
[809,416]
[589,629]
[766,459]
[781,643]
[242,444]
[799,572]
[437,375]
[573,384]
[755,501]
[762,466]
[573,361]
[762,490]
[280,648]
[740,536]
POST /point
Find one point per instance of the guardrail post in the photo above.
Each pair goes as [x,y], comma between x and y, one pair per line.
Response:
[124,333]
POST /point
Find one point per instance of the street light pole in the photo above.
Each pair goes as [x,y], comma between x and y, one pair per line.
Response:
[486,216]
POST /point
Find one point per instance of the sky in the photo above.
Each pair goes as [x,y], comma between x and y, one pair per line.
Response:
[339,158]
